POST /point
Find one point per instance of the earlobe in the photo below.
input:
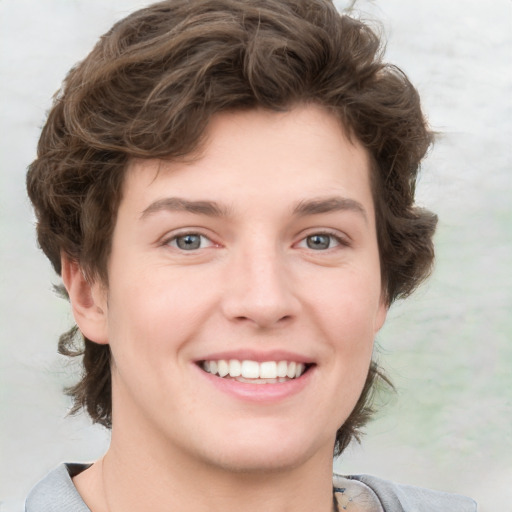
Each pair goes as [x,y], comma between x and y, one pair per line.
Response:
[88,302]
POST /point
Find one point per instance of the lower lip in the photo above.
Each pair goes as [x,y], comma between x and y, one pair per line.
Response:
[264,393]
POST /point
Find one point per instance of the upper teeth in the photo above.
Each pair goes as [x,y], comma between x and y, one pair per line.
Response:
[253,369]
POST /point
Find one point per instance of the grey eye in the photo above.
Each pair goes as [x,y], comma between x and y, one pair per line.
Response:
[188,242]
[318,242]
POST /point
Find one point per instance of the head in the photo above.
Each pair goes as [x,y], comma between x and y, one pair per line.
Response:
[153,86]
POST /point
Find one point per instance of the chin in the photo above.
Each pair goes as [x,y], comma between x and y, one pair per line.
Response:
[266,457]
[259,465]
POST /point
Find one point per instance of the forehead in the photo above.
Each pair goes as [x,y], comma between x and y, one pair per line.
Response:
[258,155]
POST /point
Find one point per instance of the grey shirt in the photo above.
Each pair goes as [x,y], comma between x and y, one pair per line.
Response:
[57,493]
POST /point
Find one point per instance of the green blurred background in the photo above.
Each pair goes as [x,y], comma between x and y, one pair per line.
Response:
[448,349]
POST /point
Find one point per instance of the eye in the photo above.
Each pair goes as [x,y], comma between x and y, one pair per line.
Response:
[320,241]
[190,242]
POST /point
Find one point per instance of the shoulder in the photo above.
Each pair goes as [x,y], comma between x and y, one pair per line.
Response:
[407,498]
[56,492]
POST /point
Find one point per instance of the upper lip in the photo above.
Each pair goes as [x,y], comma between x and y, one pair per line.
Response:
[257,355]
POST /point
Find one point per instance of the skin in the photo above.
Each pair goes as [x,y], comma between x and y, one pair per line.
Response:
[254,286]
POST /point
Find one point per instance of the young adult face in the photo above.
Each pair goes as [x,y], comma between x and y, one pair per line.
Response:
[263,249]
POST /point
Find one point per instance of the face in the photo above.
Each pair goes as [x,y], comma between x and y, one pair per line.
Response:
[245,292]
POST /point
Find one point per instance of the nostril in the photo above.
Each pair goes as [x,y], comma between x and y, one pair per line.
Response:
[264,322]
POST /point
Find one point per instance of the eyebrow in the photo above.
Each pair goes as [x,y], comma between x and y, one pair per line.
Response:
[214,209]
[329,204]
[176,204]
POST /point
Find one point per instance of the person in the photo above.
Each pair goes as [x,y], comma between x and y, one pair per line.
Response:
[226,188]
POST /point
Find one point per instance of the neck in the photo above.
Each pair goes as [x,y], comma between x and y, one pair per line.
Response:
[129,478]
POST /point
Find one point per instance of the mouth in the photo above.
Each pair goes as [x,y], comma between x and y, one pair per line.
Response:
[255,372]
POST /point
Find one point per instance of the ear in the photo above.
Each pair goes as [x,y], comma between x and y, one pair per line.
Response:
[88,302]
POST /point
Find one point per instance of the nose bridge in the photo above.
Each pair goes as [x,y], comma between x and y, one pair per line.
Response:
[260,289]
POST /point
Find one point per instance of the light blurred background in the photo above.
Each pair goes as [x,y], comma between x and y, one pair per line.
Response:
[448,349]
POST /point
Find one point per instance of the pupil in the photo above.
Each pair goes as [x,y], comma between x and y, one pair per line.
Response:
[188,242]
[318,242]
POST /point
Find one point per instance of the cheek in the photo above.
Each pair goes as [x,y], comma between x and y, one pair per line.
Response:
[349,307]
[153,315]
[145,341]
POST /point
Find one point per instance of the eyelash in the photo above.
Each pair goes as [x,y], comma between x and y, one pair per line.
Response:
[173,241]
[339,241]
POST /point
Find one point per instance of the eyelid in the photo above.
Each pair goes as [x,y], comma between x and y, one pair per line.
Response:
[171,237]
[340,238]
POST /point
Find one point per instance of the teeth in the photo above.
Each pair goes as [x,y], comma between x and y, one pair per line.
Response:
[268,370]
[253,371]
[250,370]
[235,368]
[282,368]
[222,368]
[290,373]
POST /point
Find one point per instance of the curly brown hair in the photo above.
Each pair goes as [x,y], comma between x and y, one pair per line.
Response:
[148,90]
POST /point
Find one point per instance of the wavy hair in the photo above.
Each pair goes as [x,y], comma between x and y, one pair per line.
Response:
[150,87]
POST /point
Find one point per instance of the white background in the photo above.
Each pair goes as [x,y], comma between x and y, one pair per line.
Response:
[448,349]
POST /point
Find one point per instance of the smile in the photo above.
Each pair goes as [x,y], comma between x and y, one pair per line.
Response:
[254,372]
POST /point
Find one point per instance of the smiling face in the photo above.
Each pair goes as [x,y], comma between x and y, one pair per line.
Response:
[244,293]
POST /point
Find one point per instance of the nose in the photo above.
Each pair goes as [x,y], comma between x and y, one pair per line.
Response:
[260,289]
